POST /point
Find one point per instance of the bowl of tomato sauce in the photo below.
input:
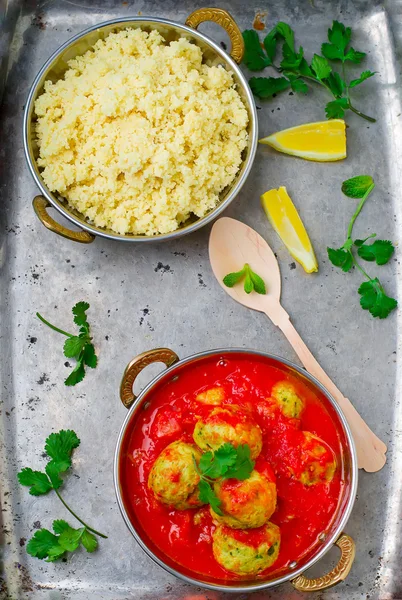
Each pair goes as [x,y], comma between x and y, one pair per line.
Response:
[235,470]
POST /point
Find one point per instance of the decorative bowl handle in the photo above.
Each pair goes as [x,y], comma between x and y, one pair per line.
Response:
[40,205]
[225,20]
[339,573]
[164,355]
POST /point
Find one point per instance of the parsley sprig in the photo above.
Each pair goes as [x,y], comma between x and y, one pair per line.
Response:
[78,346]
[252,281]
[45,544]
[296,71]
[227,462]
[373,296]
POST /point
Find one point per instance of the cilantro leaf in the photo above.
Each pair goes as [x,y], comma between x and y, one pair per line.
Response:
[60,525]
[331,52]
[39,482]
[270,44]
[215,464]
[379,251]
[89,356]
[287,33]
[258,283]
[59,446]
[248,283]
[354,56]
[243,466]
[41,543]
[255,58]
[73,346]
[365,75]
[266,87]
[55,552]
[358,186]
[231,279]
[339,35]
[79,310]
[340,258]
[321,67]
[374,299]
[291,59]
[336,84]
[76,375]
[208,496]
[299,86]
[336,108]
[70,538]
[53,471]
[89,541]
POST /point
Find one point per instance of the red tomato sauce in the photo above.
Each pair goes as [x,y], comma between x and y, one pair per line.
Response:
[303,513]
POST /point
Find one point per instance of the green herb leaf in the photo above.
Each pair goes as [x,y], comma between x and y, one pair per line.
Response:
[41,543]
[215,464]
[287,34]
[79,310]
[243,466]
[270,44]
[59,446]
[336,84]
[374,299]
[365,75]
[73,346]
[55,553]
[208,496]
[379,251]
[53,471]
[266,87]
[231,279]
[76,375]
[70,538]
[89,541]
[358,186]
[89,356]
[254,58]
[336,108]
[331,52]
[354,56]
[321,67]
[248,283]
[291,60]
[340,258]
[299,86]
[39,482]
[339,35]
[60,525]
[258,283]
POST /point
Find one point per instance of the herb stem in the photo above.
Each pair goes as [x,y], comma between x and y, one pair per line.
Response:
[357,112]
[358,266]
[53,326]
[77,517]
[358,210]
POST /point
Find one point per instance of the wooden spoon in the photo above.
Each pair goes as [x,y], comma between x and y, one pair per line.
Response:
[231,245]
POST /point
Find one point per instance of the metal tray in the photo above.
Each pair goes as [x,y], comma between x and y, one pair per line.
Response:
[140,299]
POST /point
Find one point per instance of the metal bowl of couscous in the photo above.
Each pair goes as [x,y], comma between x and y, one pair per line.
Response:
[140,129]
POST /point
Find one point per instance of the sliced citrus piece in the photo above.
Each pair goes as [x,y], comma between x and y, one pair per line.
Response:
[285,219]
[324,141]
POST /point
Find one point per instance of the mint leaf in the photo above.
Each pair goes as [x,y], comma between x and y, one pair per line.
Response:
[258,283]
[248,283]
[379,251]
[266,87]
[340,258]
[358,186]
[254,58]
[39,482]
[365,75]
[321,67]
[231,279]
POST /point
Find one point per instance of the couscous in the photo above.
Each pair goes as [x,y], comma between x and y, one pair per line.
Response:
[140,134]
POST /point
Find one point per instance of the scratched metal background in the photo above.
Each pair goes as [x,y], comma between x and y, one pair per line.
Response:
[165,295]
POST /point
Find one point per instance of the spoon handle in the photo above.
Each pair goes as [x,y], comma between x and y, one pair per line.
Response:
[370,449]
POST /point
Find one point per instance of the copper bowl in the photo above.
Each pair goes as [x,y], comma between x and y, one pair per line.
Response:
[334,535]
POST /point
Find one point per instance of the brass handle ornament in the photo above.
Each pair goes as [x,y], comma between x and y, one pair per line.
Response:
[164,355]
[225,20]
[40,205]
[348,550]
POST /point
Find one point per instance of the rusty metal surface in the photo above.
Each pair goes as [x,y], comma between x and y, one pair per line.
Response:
[165,295]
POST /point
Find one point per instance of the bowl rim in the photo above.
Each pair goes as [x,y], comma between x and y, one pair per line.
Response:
[213,214]
[247,587]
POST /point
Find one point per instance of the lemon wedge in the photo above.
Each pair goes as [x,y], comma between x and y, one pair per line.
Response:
[324,141]
[285,219]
